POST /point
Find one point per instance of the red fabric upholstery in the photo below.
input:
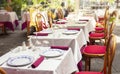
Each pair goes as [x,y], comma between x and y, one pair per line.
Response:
[95,49]
[88,72]
[96,34]
[99,28]
[1,24]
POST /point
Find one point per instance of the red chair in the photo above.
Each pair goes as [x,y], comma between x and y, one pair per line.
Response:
[50,18]
[102,21]
[97,49]
[103,35]
[107,51]
[100,32]
[39,23]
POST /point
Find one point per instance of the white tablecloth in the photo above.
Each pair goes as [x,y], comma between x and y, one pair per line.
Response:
[87,27]
[64,64]
[75,41]
[10,19]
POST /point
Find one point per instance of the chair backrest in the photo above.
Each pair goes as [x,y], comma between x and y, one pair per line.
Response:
[106,17]
[50,19]
[112,25]
[2,71]
[113,16]
[39,19]
[109,55]
[60,14]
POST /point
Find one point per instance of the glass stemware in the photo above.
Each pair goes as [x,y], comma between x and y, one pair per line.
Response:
[37,43]
[24,46]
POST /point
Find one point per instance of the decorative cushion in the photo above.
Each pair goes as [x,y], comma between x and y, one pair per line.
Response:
[95,49]
[87,72]
[99,28]
[96,34]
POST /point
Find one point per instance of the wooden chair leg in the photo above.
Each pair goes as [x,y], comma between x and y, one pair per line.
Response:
[89,61]
[4,29]
[92,41]
[87,64]
[28,29]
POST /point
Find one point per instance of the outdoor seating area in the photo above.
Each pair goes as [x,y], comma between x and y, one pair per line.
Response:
[59,37]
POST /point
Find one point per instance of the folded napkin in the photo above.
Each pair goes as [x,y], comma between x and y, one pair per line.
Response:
[37,62]
[83,20]
[78,29]
[60,47]
[41,34]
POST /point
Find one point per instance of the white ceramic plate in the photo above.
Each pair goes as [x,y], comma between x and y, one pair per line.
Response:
[81,22]
[70,32]
[49,31]
[62,21]
[20,61]
[52,53]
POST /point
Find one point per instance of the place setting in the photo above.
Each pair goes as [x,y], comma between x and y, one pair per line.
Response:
[71,31]
[54,52]
[44,32]
[20,61]
[80,22]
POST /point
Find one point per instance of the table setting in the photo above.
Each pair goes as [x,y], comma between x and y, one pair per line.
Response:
[87,23]
[72,37]
[41,60]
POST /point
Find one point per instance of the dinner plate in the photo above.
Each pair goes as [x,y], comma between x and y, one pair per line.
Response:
[70,32]
[18,61]
[81,22]
[52,53]
[49,31]
[61,20]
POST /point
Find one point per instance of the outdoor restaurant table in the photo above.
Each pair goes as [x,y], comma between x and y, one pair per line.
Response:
[10,19]
[80,22]
[87,27]
[63,64]
[57,38]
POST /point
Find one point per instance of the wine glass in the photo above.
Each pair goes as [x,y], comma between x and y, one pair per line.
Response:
[23,46]
[37,42]
[45,43]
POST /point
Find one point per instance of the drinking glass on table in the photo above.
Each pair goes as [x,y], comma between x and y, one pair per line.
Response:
[24,47]
[37,42]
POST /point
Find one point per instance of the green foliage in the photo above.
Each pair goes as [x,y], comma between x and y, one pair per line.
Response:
[18,5]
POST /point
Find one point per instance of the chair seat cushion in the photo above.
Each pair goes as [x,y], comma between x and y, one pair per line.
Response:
[85,72]
[99,28]
[94,49]
[96,34]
